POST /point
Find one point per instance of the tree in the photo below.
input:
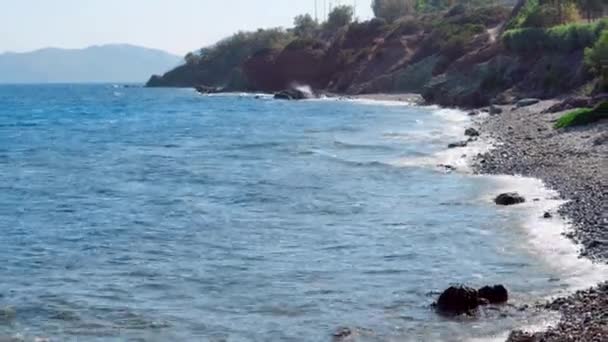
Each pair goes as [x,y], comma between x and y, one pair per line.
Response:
[591,9]
[391,10]
[340,16]
[191,58]
[304,26]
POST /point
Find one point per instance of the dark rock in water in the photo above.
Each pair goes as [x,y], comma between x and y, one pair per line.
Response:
[447,167]
[495,110]
[341,334]
[494,294]
[473,113]
[509,199]
[547,215]
[458,144]
[471,132]
[526,102]
[458,300]
[291,94]
[202,89]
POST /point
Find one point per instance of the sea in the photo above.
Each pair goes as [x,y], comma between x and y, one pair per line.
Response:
[135,214]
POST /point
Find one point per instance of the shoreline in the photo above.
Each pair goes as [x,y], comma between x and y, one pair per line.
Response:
[572,163]
[522,142]
[568,162]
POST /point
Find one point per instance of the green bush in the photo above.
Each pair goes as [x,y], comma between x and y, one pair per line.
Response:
[596,57]
[339,17]
[541,14]
[562,38]
[391,10]
[583,116]
[452,40]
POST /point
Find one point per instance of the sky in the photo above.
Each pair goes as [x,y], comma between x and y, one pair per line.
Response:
[177,26]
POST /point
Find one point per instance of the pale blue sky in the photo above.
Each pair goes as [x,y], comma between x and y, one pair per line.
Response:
[177,26]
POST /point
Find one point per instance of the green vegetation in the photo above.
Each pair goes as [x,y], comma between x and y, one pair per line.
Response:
[542,14]
[391,10]
[304,26]
[583,116]
[596,57]
[339,17]
[548,13]
[561,38]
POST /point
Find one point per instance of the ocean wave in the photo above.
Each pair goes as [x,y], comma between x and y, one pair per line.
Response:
[355,146]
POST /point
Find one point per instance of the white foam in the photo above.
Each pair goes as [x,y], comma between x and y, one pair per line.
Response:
[237,94]
[366,101]
[454,124]
[546,236]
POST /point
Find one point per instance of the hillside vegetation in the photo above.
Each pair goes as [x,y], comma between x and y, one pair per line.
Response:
[464,53]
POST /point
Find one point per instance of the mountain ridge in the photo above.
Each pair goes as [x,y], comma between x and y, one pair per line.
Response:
[120,63]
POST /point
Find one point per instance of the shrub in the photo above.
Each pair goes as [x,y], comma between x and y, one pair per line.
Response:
[452,40]
[596,57]
[391,10]
[583,116]
[542,14]
[562,38]
[304,26]
[339,17]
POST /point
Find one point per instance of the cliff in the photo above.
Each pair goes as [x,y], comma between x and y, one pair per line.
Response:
[458,57]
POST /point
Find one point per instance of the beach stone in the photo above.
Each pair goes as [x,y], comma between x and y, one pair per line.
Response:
[458,300]
[547,215]
[458,144]
[494,294]
[526,102]
[495,110]
[509,199]
[471,132]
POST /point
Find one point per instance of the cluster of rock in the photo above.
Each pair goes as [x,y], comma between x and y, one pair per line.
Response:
[458,300]
[574,102]
[203,89]
[292,94]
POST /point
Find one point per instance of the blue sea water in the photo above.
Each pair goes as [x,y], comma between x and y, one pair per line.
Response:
[162,215]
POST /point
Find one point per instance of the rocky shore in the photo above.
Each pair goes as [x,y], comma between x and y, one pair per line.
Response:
[574,162]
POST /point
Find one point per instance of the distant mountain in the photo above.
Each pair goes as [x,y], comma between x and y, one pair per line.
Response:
[107,63]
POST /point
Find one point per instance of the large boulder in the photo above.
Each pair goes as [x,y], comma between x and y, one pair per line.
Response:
[510,198]
[494,294]
[458,300]
[471,132]
[292,94]
[526,102]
